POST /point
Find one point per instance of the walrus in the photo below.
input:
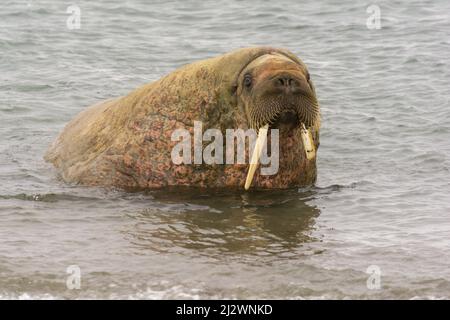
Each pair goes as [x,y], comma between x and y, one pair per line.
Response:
[126,142]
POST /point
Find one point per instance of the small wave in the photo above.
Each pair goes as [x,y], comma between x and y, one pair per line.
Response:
[49,197]
[336,187]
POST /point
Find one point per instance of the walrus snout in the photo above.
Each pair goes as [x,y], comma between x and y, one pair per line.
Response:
[288,83]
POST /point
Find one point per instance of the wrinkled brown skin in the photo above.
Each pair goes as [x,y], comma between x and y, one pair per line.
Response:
[126,142]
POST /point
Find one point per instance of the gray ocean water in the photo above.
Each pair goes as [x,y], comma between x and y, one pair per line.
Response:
[376,224]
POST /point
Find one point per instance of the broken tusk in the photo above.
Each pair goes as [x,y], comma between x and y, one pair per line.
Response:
[308,144]
[256,155]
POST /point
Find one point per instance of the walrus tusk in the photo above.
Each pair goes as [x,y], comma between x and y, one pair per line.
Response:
[262,135]
[308,143]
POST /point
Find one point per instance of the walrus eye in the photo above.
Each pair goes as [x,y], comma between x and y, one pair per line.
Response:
[308,77]
[247,80]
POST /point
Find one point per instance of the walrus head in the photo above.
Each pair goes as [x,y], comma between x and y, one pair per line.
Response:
[277,91]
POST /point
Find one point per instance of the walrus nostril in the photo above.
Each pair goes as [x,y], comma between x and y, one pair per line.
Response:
[281,81]
[285,81]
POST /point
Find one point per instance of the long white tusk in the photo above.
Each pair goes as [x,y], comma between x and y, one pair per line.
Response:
[256,155]
[308,144]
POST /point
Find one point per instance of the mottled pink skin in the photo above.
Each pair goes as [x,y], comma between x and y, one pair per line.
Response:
[126,142]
